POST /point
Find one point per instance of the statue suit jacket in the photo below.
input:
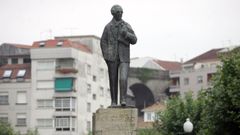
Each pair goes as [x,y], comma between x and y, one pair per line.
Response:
[113,44]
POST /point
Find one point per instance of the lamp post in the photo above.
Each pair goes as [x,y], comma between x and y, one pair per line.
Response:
[188,126]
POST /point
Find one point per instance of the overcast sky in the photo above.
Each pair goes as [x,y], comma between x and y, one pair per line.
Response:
[166,29]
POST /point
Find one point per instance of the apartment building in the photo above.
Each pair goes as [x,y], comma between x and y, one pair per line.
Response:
[54,85]
[196,74]
[69,83]
[15,85]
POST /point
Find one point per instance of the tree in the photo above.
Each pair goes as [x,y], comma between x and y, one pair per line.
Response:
[6,129]
[221,115]
[178,109]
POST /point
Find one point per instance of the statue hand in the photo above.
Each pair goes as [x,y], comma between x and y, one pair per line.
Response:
[124,33]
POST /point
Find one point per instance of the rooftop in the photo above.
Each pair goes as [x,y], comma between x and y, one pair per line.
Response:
[169,65]
[209,55]
[54,43]
[15,68]
[153,63]
[12,49]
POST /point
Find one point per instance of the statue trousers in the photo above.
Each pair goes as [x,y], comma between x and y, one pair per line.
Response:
[116,68]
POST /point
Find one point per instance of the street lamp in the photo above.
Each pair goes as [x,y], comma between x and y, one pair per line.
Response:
[188,126]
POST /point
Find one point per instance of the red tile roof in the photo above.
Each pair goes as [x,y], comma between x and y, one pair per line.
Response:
[207,56]
[15,68]
[52,43]
[169,65]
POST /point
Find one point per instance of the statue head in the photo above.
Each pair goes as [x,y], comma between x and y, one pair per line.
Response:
[117,12]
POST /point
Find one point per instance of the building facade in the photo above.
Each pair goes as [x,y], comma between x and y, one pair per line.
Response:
[15,86]
[68,82]
[196,74]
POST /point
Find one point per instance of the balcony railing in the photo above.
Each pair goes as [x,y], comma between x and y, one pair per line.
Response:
[66,66]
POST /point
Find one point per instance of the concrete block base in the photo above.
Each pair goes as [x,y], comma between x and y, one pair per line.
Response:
[115,121]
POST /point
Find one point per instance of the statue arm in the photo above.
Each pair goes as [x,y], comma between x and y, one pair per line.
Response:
[104,38]
[130,35]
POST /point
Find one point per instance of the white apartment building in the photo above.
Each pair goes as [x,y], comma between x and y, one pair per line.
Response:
[196,74]
[66,82]
[69,83]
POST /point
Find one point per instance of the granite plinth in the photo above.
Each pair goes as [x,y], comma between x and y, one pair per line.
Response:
[115,121]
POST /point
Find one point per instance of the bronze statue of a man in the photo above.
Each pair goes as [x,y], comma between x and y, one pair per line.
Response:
[115,44]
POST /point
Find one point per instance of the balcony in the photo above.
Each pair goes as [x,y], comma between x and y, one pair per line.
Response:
[66,66]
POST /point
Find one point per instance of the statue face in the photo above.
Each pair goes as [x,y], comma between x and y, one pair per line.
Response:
[118,14]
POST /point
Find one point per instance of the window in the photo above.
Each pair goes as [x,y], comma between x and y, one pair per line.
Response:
[94,96]
[94,78]
[149,116]
[4,98]
[209,77]
[4,117]
[26,60]
[88,125]
[21,73]
[14,61]
[21,119]
[101,91]
[45,65]
[101,106]
[88,69]
[3,61]
[199,79]
[65,123]
[186,81]
[88,107]
[44,122]
[45,103]
[7,73]
[65,104]
[59,43]
[89,89]
[63,84]
[22,97]
[41,44]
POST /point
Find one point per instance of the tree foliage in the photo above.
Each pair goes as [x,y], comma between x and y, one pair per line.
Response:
[6,129]
[222,112]
[178,109]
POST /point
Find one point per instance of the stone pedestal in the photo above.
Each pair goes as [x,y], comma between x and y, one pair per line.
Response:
[115,121]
